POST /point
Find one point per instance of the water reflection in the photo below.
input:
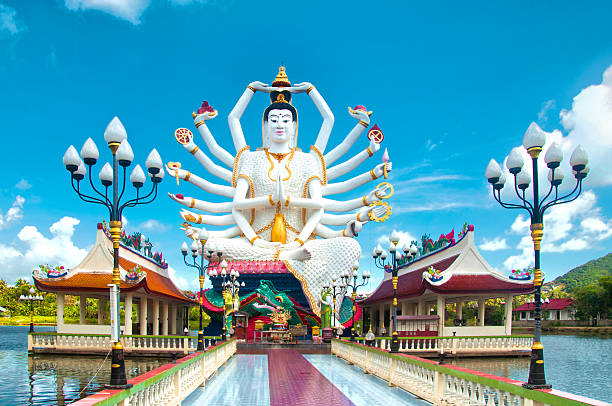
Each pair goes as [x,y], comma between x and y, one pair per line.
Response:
[54,379]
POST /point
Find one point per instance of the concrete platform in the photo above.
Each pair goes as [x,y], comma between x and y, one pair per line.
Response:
[302,347]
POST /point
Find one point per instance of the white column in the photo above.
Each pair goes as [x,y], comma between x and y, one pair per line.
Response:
[164,318]
[127,329]
[460,309]
[142,307]
[371,320]
[481,311]
[172,317]
[421,308]
[82,309]
[155,317]
[508,308]
[381,318]
[60,312]
[441,307]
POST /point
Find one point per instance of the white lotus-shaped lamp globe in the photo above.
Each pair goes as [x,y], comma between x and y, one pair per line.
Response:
[493,171]
[194,248]
[242,285]
[558,177]
[223,264]
[523,180]
[392,247]
[499,185]
[89,152]
[203,235]
[184,248]
[137,177]
[413,249]
[115,132]
[106,175]
[71,159]
[534,137]
[154,162]
[554,155]
[374,253]
[394,237]
[383,255]
[124,154]
[579,159]
[379,249]
[514,163]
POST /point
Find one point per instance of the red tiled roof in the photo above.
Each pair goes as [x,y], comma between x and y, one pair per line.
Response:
[412,284]
[555,304]
[153,283]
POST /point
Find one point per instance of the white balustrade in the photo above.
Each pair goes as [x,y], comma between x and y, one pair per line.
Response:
[83,343]
[448,385]
[169,386]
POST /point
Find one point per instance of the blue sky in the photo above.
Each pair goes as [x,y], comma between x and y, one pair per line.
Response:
[451,85]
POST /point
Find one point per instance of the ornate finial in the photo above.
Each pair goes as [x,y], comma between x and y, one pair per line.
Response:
[281,79]
[280,98]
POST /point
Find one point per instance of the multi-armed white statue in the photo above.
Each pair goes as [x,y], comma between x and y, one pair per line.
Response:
[279,193]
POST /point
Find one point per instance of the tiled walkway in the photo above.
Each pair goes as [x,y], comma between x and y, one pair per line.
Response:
[286,377]
[294,381]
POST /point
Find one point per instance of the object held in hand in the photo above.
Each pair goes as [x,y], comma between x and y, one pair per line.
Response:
[376,134]
[388,194]
[176,166]
[183,136]
[382,218]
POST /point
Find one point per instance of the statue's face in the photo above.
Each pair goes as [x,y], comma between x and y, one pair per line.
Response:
[280,127]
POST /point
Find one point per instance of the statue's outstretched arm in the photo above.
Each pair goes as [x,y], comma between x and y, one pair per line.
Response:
[355,161]
[234,117]
[349,140]
[326,232]
[210,166]
[328,116]
[243,203]
[350,184]
[342,219]
[337,205]
[224,220]
[225,207]
[203,184]
[231,232]
[211,143]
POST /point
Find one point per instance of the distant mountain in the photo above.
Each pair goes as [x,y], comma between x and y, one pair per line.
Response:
[586,274]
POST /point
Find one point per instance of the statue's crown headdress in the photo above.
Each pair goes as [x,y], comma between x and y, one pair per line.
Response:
[281,80]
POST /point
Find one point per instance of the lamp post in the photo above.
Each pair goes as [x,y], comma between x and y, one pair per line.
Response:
[350,280]
[202,268]
[232,286]
[336,289]
[116,138]
[380,257]
[31,298]
[223,275]
[533,141]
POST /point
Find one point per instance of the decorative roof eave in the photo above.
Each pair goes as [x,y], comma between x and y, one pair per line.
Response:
[456,263]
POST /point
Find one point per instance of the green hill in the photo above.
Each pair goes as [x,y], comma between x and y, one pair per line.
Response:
[587,273]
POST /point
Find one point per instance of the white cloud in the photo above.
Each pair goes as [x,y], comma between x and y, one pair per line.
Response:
[59,249]
[568,227]
[495,244]
[589,123]
[23,185]
[182,282]
[8,21]
[405,239]
[130,10]
[153,225]
[546,107]
[13,214]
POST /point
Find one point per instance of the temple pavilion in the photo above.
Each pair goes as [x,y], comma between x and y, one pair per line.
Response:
[160,308]
[449,275]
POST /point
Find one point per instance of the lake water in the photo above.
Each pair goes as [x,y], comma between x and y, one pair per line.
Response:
[576,364]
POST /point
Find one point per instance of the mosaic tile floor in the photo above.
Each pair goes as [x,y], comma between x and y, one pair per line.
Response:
[286,377]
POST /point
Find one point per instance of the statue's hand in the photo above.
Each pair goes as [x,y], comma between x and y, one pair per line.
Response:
[352,228]
[262,87]
[379,169]
[276,193]
[205,116]
[360,115]
[299,88]
[374,146]
[260,243]
[282,196]
[172,172]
